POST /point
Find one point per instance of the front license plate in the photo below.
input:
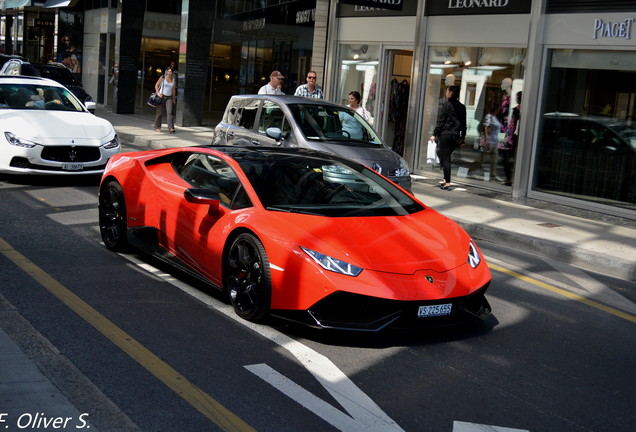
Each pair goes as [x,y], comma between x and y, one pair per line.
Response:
[434,310]
[72,166]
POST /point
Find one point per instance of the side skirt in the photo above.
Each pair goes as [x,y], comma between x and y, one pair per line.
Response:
[146,240]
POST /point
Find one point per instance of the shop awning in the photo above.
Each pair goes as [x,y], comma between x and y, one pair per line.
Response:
[380,4]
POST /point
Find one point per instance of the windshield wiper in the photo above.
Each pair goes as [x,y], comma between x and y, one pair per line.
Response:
[292,210]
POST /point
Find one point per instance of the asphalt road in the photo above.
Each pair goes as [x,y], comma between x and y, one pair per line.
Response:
[170,354]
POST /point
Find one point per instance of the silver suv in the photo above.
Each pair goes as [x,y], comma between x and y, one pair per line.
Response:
[291,121]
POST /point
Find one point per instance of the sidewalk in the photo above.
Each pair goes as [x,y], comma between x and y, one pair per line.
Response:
[586,239]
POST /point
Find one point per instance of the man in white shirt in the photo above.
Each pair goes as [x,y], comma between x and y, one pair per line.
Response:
[274,84]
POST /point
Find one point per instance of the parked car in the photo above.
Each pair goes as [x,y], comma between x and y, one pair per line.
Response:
[47,130]
[290,121]
[55,71]
[6,57]
[591,156]
[294,233]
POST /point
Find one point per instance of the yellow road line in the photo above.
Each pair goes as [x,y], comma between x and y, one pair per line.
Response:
[196,397]
[564,293]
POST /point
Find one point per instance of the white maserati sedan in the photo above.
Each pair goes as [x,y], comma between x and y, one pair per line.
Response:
[45,129]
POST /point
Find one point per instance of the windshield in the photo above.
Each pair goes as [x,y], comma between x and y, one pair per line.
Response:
[326,123]
[626,132]
[37,97]
[297,183]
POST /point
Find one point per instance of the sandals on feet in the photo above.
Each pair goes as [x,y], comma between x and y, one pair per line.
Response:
[171,131]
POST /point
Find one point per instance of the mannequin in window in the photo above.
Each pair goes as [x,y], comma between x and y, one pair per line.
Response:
[506,86]
[508,147]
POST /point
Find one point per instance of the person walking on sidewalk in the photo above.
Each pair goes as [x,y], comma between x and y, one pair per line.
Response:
[450,131]
[166,88]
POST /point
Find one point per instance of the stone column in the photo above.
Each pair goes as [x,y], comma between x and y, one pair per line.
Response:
[130,21]
[8,41]
[197,19]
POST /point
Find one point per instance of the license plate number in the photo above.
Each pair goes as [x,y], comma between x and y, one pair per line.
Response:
[434,310]
[73,166]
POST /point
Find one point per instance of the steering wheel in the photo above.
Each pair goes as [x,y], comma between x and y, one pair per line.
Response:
[329,193]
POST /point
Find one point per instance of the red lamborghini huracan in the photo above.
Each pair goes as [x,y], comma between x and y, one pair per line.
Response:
[301,235]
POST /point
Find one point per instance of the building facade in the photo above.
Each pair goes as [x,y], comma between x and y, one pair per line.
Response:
[557,76]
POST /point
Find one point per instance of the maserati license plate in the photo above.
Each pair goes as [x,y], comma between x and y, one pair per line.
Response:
[72,166]
[434,310]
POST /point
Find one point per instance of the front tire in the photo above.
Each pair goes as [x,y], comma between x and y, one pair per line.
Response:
[112,217]
[247,278]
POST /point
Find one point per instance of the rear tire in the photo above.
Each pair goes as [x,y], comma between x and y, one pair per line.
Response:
[112,217]
[247,278]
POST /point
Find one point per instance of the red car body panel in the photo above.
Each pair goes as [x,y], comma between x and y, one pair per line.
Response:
[416,257]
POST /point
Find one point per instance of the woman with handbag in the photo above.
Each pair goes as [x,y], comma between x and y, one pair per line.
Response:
[166,88]
[450,131]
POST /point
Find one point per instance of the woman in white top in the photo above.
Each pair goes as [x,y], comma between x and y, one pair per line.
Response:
[166,88]
[349,124]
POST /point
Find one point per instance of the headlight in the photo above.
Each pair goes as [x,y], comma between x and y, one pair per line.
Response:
[404,170]
[17,141]
[332,264]
[473,256]
[114,143]
[336,169]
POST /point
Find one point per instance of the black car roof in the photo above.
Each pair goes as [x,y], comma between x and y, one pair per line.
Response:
[265,151]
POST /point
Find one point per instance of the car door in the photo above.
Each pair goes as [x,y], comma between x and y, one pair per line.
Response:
[199,234]
[273,116]
[241,131]
[229,119]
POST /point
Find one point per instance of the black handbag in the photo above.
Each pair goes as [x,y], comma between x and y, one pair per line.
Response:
[154,100]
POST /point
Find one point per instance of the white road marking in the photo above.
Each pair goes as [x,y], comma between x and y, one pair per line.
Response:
[322,409]
[474,427]
[360,406]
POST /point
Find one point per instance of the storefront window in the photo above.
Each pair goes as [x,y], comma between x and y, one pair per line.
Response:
[586,147]
[491,82]
[359,72]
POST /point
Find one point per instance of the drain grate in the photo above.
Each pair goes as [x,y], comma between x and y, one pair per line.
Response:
[549,225]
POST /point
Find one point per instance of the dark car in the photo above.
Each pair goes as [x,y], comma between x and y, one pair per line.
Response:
[6,57]
[290,121]
[55,71]
[590,156]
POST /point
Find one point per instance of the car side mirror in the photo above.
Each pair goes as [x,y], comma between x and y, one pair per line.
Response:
[275,134]
[202,196]
[90,106]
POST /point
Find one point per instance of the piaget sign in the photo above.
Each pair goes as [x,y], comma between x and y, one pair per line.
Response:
[615,30]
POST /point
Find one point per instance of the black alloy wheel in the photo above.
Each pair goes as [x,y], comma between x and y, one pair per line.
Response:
[247,278]
[112,217]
